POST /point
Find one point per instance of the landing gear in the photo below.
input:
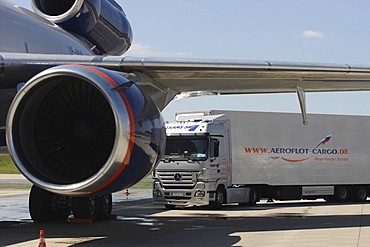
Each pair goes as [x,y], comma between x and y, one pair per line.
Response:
[92,207]
[105,207]
[85,207]
[45,206]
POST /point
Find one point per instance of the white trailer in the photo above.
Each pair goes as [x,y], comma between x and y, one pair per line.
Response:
[216,157]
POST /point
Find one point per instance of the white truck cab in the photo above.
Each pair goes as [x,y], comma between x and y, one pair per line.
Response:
[195,169]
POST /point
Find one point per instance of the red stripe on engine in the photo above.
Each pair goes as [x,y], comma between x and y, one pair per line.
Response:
[132,129]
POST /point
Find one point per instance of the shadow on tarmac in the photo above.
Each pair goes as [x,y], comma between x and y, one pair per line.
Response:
[138,228]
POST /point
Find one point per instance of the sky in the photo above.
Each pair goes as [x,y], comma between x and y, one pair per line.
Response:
[330,31]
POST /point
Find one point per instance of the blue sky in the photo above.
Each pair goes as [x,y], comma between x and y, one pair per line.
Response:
[330,31]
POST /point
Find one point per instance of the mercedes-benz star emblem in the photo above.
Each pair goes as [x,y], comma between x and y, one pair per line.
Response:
[178,177]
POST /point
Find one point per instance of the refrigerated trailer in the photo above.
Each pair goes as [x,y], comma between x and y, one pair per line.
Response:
[219,157]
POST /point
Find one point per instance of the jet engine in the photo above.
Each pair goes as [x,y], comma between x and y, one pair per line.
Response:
[101,23]
[77,130]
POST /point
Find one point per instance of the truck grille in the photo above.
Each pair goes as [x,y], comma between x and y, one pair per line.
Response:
[177,180]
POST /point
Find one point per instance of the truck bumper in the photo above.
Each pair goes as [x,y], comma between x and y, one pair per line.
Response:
[177,197]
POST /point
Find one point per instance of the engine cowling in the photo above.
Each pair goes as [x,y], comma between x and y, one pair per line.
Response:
[101,23]
[79,130]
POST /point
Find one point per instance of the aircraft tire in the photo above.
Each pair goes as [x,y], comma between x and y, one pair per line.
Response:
[62,207]
[40,207]
[105,206]
[85,207]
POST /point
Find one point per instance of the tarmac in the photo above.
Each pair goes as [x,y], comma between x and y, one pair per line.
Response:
[141,223]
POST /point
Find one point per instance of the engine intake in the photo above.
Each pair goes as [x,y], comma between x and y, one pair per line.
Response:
[101,23]
[79,130]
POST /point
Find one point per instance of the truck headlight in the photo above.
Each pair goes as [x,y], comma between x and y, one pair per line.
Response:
[201,186]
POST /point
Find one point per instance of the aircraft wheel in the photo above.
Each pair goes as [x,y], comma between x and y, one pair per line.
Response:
[105,206]
[342,193]
[361,194]
[45,206]
[61,207]
[40,207]
[85,207]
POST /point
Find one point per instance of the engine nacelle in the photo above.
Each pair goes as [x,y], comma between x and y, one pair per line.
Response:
[79,130]
[101,23]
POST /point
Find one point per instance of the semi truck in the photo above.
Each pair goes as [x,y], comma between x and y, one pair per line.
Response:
[220,157]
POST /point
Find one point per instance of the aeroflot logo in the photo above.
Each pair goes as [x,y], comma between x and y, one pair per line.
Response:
[183,127]
[330,154]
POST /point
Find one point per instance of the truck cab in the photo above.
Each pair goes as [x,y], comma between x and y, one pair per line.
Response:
[194,168]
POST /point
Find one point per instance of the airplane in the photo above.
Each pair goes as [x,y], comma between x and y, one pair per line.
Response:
[82,121]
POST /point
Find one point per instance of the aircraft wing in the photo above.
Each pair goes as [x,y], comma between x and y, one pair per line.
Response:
[164,78]
[239,76]
[216,76]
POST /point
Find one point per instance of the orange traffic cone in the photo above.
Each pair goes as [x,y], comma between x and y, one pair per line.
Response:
[42,239]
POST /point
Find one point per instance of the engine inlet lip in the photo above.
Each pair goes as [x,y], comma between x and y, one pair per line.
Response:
[62,17]
[121,142]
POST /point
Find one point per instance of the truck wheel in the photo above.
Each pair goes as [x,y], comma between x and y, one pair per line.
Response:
[361,194]
[253,199]
[342,193]
[219,200]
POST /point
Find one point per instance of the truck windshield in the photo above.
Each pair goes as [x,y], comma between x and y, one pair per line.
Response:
[186,148]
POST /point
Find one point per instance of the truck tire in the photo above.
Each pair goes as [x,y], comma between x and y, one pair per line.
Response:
[342,193]
[361,194]
[253,198]
[220,198]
